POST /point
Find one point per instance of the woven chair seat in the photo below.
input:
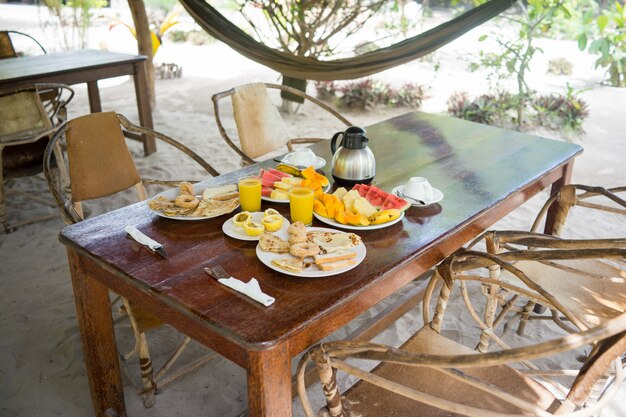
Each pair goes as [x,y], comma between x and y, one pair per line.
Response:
[593,299]
[368,400]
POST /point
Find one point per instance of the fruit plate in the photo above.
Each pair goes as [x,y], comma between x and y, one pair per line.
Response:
[235,232]
[312,271]
[274,200]
[334,223]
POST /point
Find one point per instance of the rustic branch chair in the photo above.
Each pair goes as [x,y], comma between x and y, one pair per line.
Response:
[7,50]
[594,289]
[431,375]
[100,165]
[260,127]
[28,118]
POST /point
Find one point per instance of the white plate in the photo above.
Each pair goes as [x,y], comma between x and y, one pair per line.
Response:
[274,200]
[312,271]
[334,223]
[437,196]
[320,163]
[235,232]
[172,193]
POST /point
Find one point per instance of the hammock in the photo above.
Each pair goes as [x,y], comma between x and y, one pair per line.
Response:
[346,68]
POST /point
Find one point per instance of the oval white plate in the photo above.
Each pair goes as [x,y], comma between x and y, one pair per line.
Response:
[320,163]
[437,196]
[273,200]
[312,271]
[334,223]
[235,232]
[172,193]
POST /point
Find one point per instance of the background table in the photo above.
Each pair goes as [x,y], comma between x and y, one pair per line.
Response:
[84,66]
[483,171]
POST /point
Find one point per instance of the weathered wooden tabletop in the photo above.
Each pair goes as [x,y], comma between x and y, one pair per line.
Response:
[484,173]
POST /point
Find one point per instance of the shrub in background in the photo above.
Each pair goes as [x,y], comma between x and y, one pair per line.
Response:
[367,93]
[326,90]
[480,110]
[560,66]
[408,95]
[558,110]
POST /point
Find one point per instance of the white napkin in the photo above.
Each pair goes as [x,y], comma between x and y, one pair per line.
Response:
[251,289]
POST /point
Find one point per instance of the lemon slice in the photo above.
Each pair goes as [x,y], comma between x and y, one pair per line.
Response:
[272,223]
[242,218]
[271,212]
[253,228]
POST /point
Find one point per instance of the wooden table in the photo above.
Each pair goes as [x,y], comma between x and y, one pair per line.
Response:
[484,173]
[84,66]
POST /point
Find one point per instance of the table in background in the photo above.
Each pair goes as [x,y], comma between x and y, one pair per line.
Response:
[83,66]
[484,172]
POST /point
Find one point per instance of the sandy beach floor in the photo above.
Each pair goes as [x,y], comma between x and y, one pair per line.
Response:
[41,364]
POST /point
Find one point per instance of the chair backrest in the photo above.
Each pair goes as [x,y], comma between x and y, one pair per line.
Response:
[259,124]
[6,46]
[100,163]
[22,117]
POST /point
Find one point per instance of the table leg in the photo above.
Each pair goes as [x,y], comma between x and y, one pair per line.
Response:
[269,383]
[3,208]
[556,186]
[96,329]
[143,105]
[95,106]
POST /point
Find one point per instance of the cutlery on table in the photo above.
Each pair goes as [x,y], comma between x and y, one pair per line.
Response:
[406,197]
[250,288]
[145,240]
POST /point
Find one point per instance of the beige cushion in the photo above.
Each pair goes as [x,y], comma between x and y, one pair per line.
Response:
[368,400]
[259,125]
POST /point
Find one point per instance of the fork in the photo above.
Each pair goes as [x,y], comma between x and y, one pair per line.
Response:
[256,294]
[217,272]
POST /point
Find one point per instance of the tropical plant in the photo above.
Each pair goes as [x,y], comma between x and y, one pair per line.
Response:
[362,94]
[480,110]
[608,31]
[408,95]
[556,110]
[560,66]
[326,90]
[72,20]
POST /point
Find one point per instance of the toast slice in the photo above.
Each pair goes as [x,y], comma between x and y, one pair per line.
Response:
[222,191]
[334,257]
[329,266]
[290,264]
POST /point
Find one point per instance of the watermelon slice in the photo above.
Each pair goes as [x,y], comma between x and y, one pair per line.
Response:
[362,189]
[278,173]
[393,201]
[266,191]
[375,196]
[268,179]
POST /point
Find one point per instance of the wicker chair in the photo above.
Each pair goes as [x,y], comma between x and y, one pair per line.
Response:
[7,50]
[28,118]
[100,165]
[575,283]
[431,375]
[260,127]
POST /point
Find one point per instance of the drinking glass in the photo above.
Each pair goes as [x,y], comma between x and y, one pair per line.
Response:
[301,205]
[250,194]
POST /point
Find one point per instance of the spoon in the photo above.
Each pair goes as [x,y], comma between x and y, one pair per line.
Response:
[406,197]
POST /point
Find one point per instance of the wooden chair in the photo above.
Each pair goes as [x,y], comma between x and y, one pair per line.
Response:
[431,375]
[28,118]
[260,127]
[101,165]
[577,284]
[7,50]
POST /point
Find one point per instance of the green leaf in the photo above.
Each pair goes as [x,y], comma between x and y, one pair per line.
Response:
[602,21]
[582,41]
[482,38]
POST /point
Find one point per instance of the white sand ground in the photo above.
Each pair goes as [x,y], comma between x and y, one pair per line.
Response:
[41,366]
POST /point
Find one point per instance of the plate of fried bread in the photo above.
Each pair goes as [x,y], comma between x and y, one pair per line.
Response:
[310,252]
[195,202]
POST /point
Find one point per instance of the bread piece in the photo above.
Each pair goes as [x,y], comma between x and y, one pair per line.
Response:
[336,265]
[272,243]
[290,264]
[334,256]
[332,242]
[217,191]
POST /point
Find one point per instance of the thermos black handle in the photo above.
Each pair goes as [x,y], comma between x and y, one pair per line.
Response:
[333,142]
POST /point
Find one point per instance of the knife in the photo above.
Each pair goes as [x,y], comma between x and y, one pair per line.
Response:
[145,240]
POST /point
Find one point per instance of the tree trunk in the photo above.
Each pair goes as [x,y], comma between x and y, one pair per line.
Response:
[144,42]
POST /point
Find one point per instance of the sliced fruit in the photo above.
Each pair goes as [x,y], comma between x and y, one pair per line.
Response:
[348,199]
[384,216]
[310,174]
[340,216]
[270,212]
[295,181]
[253,228]
[363,207]
[266,191]
[362,189]
[273,222]
[282,185]
[340,192]
[279,174]
[280,195]
[289,169]
[376,196]
[329,204]
[242,218]
[268,179]
[319,208]
[356,219]
[396,202]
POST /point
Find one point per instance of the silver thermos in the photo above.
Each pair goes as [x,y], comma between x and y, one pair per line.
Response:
[353,162]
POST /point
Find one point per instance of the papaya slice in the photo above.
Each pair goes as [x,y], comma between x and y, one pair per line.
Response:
[340,217]
[319,208]
[356,219]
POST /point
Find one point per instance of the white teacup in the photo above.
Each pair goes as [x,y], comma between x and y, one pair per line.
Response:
[418,188]
[301,157]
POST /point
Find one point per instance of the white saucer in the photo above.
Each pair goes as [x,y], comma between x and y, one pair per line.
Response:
[437,196]
[320,163]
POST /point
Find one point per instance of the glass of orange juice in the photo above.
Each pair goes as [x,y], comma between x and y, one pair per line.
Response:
[301,205]
[250,194]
